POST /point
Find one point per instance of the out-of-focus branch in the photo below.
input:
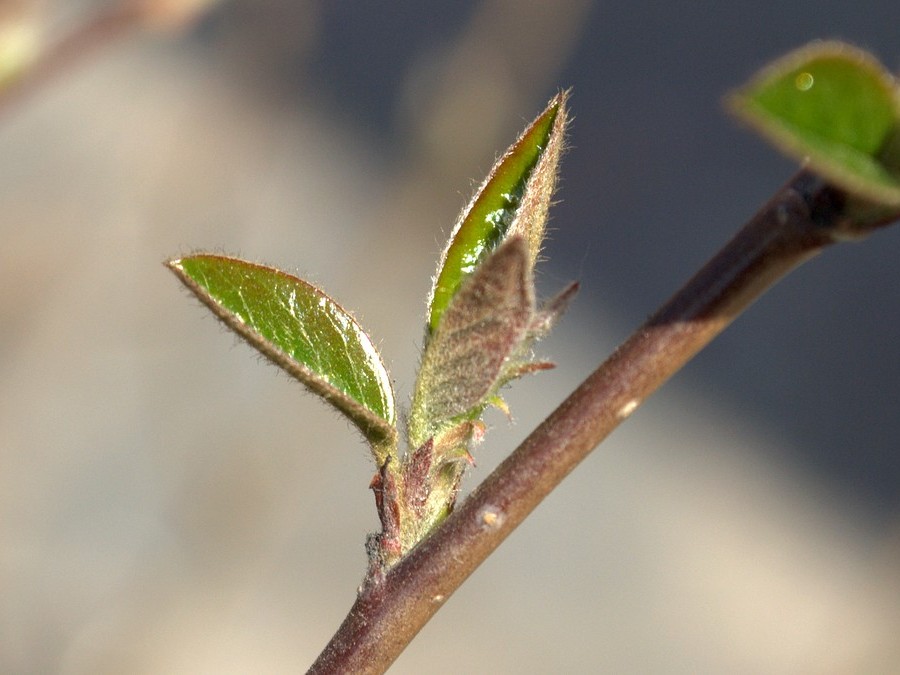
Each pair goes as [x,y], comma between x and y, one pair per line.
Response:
[29,66]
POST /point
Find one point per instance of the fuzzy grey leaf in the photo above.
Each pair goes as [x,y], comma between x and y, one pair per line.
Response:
[485,323]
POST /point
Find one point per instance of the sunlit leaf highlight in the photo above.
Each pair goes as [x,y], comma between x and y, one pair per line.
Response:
[303,331]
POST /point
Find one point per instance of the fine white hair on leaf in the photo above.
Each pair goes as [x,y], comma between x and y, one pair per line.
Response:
[483,325]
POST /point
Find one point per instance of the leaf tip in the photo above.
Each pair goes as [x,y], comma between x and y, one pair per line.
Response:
[174,264]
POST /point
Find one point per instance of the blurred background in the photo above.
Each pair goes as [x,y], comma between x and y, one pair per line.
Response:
[170,504]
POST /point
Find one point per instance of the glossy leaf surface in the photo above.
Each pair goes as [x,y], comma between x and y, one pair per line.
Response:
[838,107]
[523,178]
[303,331]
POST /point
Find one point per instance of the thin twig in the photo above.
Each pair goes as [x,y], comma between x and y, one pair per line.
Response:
[799,221]
[107,26]
[100,30]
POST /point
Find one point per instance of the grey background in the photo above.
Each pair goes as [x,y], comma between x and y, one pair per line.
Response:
[168,504]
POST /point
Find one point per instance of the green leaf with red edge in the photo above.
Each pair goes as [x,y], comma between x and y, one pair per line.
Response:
[514,198]
[836,106]
[303,331]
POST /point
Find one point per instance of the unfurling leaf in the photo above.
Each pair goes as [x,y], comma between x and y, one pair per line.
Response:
[836,106]
[481,323]
[303,331]
[513,199]
[485,323]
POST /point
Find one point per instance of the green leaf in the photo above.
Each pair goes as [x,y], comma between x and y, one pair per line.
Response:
[486,322]
[835,105]
[514,198]
[303,331]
